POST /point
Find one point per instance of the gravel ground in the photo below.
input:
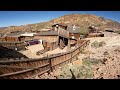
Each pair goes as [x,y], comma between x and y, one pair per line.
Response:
[109,68]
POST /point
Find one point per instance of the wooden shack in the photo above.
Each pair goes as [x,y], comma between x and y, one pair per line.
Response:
[50,45]
[48,36]
[74,32]
[27,36]
[19,36]
[59,35]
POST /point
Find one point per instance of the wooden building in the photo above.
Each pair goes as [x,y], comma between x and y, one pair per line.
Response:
[48,36]
[58,35]
[27,36]
[18,36]
[50,45]
[74,32]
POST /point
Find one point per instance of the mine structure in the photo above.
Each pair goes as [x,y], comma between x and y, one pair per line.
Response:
[43,46]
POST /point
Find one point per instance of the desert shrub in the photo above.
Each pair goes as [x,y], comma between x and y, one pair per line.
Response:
[117,32]
[80,72]
[98,44]
[105,53]
[91,61]
[82,52]
[84,30]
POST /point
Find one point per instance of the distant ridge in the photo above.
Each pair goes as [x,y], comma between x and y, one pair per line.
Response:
[82,20]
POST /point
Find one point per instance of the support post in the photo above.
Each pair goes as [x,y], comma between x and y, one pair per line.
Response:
[68,45]
[50,64]
[71,58]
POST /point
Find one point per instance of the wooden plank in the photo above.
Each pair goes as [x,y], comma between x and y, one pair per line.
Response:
[8,74]
[38,74]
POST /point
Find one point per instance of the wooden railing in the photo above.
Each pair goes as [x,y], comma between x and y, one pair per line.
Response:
[28,68]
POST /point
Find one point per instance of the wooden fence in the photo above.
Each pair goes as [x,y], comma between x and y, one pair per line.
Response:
[28,68]
[12,45]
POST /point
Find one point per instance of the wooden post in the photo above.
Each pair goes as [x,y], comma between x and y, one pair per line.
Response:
[65,57]
[71,58]
[68,45]
[50,65]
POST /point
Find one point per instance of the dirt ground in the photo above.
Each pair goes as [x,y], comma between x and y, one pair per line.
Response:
[109,69]
[32,54]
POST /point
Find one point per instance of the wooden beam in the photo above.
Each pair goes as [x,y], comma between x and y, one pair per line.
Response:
[23,71]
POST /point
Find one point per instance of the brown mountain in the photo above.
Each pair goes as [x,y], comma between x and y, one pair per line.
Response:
[83,20]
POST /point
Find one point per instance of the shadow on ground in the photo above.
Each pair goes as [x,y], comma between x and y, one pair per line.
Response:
[8,53]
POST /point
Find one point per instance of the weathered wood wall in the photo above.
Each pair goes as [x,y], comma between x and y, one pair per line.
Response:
[63,33]
[47,38]
[13,45]
[9,39]
[50,45]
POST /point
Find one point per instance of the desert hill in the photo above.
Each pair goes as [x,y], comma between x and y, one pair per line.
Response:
[82,20]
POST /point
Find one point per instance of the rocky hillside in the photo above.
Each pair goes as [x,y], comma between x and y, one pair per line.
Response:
[83,20]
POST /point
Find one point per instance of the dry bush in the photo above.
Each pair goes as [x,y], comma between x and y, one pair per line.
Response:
[117,32]
[92,61]
[80,72]
[98,44]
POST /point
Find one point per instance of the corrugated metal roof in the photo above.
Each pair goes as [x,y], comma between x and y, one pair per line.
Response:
[48,33]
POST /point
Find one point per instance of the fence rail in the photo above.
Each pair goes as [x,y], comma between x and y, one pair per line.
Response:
[38,66]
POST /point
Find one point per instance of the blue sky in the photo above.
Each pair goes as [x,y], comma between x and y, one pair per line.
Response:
[16,18]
